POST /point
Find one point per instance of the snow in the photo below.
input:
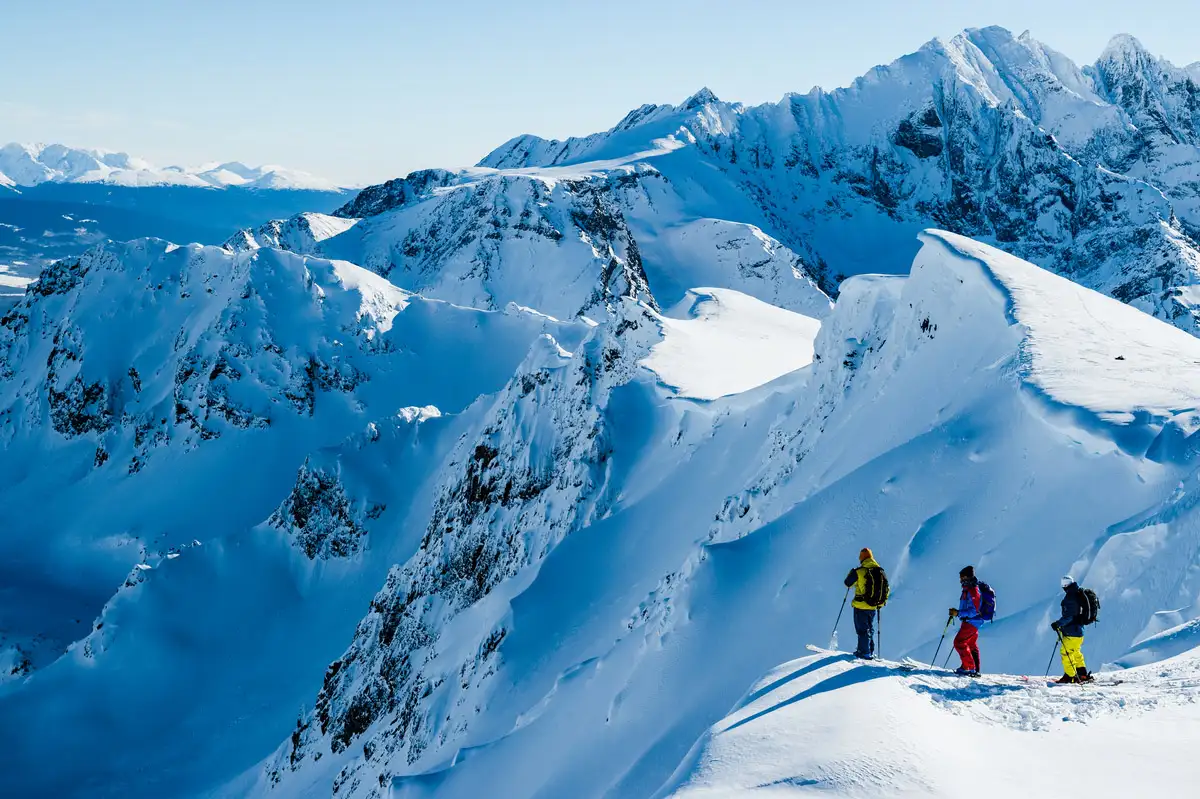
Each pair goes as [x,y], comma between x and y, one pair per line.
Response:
[941,418]
[1115,366]
[513,479]
[828,724]
[723,342]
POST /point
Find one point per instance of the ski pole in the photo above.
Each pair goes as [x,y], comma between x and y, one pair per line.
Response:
[879,632]
[839,618]
[945,629]
[946,665]
[1051,663]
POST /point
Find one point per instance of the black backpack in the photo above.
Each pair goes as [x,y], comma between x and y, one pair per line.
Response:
[1089,607]
[875,588]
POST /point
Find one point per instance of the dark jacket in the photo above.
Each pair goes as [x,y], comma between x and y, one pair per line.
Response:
[1071,605]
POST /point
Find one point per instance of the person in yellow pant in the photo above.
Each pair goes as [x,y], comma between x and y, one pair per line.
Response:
[1070,631]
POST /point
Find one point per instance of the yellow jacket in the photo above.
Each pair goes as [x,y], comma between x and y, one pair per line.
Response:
[858,579]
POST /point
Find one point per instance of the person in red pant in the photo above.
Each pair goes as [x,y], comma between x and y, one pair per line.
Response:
[970,603]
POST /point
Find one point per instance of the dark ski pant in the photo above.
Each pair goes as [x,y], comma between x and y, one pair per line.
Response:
[864,625]
[966,643]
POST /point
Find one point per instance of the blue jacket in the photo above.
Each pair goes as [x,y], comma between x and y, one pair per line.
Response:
[1070,609]
[969,604]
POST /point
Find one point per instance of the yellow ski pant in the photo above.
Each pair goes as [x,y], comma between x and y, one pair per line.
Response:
[1072,654]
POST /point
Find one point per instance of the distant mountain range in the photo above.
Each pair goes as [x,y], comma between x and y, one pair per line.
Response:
[34,164]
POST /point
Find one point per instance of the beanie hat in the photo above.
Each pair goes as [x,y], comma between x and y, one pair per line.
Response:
[1067,581]
[966,571]
[865,554]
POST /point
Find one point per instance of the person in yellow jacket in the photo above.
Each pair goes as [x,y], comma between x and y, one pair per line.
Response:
[870,594]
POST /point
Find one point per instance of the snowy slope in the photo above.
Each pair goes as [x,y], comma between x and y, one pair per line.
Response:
[718,342]
[558,559]
[32,164]
[944,418]
[826,723]
[218,419]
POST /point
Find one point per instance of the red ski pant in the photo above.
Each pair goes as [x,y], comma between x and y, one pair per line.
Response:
[966,643]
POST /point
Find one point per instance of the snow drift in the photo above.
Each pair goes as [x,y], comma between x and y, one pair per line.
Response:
[826,723]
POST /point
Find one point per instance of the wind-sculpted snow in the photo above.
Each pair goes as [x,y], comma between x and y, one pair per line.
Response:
[814,724]
[1115,365]
[718,342]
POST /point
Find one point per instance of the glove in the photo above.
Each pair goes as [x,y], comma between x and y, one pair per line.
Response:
[1055,626]
[953,611]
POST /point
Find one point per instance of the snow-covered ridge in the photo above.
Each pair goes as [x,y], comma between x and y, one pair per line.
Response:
[1117,366]
[32,164]
[814,723]
[564,241]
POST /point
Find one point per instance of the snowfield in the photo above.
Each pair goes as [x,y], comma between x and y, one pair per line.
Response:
[830,725]
[725,343]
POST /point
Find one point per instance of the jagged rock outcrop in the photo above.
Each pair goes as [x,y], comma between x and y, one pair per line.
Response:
[393,194]
[320,519]
[535,470]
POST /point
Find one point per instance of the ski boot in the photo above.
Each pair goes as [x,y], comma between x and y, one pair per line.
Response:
[1082,676]
[1066,680]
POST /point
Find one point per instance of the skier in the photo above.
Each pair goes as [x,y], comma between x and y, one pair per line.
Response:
[870,594]
[969,614]
[1070,632]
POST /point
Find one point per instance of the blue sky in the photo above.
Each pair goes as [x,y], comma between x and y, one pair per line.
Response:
[364,91]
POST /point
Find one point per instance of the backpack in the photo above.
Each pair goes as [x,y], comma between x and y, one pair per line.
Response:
[1089,607]
[987,604]
[875,589]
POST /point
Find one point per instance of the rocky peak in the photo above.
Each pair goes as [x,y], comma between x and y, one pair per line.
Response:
[700,99]
[375,200]
[1160,98]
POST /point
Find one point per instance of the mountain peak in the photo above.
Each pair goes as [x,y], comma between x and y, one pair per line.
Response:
[701,98]
[1124,47]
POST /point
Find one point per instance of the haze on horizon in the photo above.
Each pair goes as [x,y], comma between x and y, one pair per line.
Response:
[374,90]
